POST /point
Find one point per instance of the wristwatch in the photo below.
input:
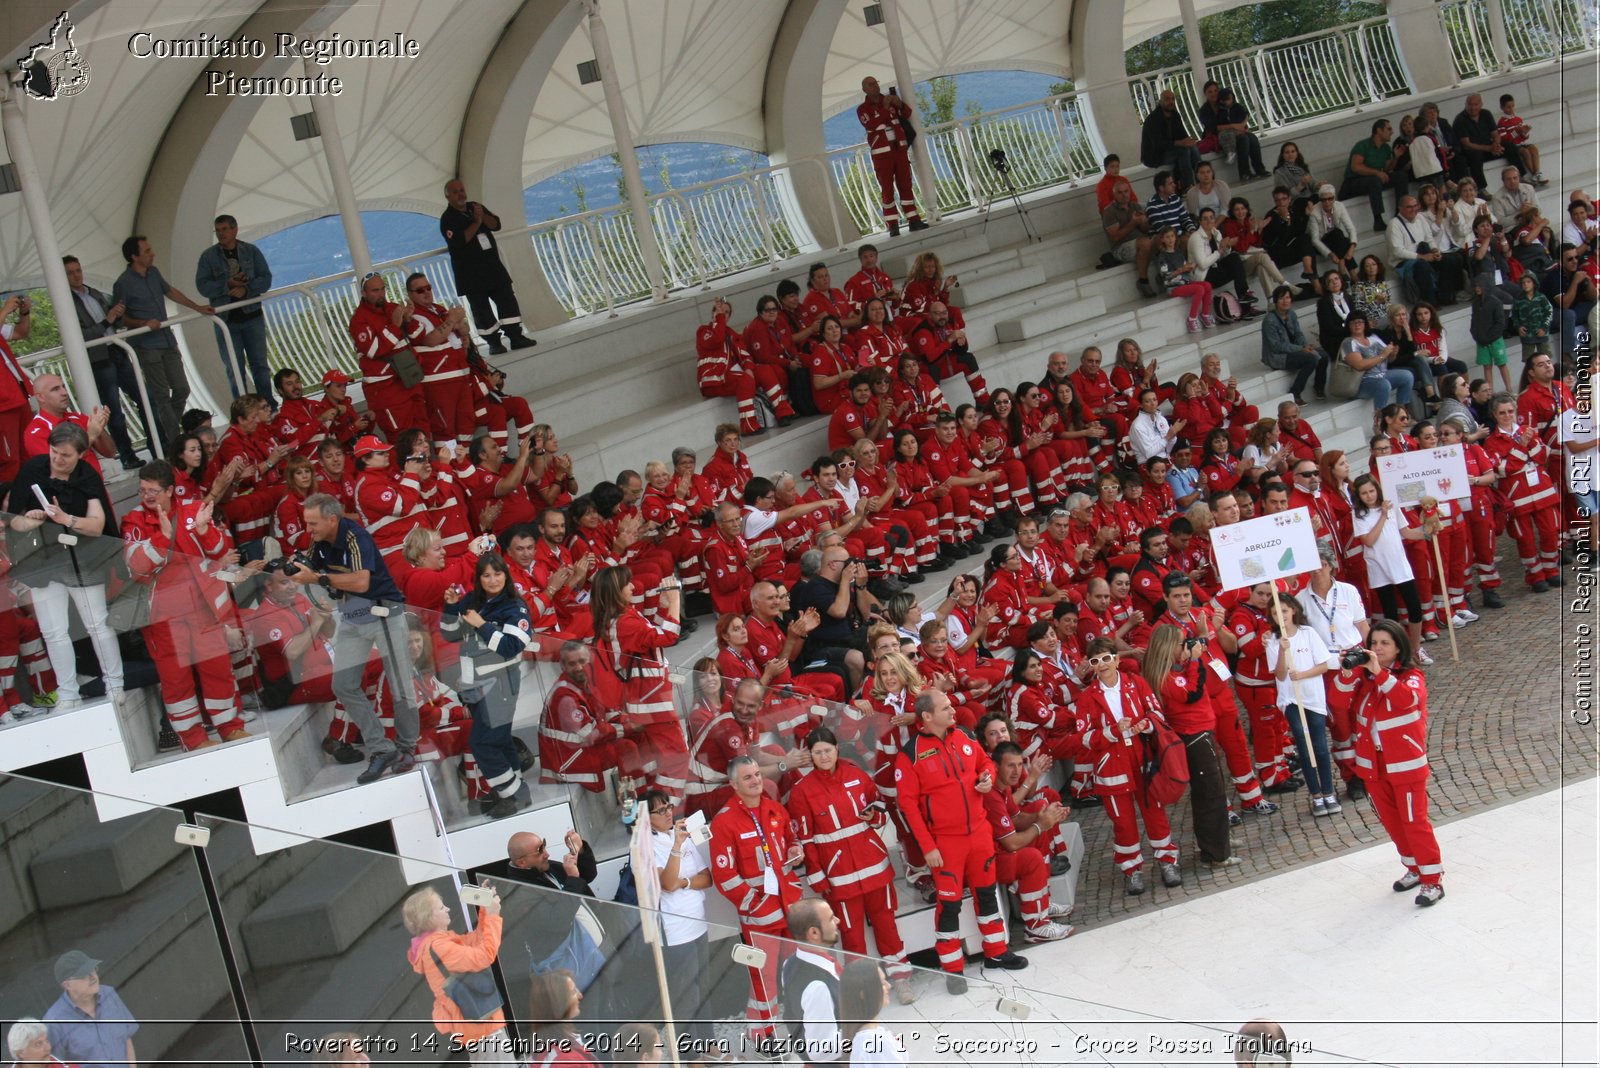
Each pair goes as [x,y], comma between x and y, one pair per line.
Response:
[782,766]
[324,581]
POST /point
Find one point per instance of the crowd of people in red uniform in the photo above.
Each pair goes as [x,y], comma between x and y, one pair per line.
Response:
[1094,510]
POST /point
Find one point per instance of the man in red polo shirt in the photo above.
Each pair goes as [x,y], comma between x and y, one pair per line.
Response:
[1299,435]
[871,281]
[347,424]
[822,299]
[861,416]
[55,408]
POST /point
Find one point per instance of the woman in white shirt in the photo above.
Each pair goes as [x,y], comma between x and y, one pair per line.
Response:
[1382,530]
[685,877]
[1465,211]
[1299,659]
[863,992]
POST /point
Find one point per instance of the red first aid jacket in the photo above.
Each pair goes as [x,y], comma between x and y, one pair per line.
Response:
[936,782]
[845,858]
[745,844]
[1391,722]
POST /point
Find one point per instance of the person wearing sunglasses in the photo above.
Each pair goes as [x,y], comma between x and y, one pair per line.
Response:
[1114,707]
[685,876]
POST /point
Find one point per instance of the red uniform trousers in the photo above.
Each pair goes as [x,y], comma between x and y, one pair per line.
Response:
[663,757]
[1044,468]
[1120,808]
[13,421]
[1230,740]
[1538,537]
[394,408]
[1012,490]
[1481,566]
[20,642]
[910,848]
[876,907]
[1403,809]
[968,863]
[684,548]
[934,517]
[741,385]
[1341,722]
[499,415]
[1267,728]
[764,1007]
[1050,843]
[184,648]
[452,415]
[893,168]
[1453,548]
[1030,872]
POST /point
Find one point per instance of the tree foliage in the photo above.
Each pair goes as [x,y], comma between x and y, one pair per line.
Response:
[1246,27]
[936,101]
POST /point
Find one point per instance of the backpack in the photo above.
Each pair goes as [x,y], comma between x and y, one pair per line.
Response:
[1165,765]
[627,890]
[1226,307]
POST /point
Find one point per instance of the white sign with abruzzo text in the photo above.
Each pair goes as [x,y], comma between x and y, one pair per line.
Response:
[1265,548]
[1407,477]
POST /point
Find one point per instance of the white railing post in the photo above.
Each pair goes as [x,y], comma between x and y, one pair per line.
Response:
[1499,51]
[969,165]
[1557,39]
[758,197]
[1259,61]
[601,272]
[1060,123]
[1366,66]
[344,190]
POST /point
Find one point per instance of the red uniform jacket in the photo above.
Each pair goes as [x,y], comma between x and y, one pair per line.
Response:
[568,733]
[936,781]
[181,568]
[845,858]
[882,121]
[727,476]
[1391,723]
[1116,769]
[746,843]
[1525,484]
[298,424]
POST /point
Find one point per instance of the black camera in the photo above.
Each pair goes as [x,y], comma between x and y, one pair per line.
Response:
[997,160]
[1351,659]
[1194,643]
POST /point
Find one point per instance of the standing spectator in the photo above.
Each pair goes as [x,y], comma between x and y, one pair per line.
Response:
[811,983]
[887,120]
[1370,171]
[1127,231]
[1488,327]
[88,1024]
[1178,673]
[1531,504]
[144,293]
[29,1042]
[228,272]
[469,228]
[1299,659]
[1480,140]
[941,777]
[1391,723]
[1531,317]
[344,558]
[630,655]
[1164,142]
[1381,528]
[439,955]
[685,876]
[754,852]
[58,572]
[491,623]
[113,372]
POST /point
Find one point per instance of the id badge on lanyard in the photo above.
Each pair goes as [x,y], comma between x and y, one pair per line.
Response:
[769,874]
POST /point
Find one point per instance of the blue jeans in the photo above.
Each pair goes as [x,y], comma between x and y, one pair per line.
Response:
[112,375]
[1395,385]
[1183,159]
[249,349]
[1319,779]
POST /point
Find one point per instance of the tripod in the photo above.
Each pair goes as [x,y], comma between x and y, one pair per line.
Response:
[997,161]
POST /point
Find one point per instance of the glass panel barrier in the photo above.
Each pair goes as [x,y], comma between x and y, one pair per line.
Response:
[106,935]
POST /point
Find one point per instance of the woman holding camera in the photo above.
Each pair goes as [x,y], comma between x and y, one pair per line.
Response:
[1116,705]
[492,625]
[1176,669]
[836,814]
[439,955]
[1391,743]
[630,657]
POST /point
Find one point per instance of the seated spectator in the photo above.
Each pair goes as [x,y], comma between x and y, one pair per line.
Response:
[878,344]
[1436,275]
[926,284]
[1370,294]
[577,742]
[1245,232]
[729,468]
[1164,142]
[1108,181]
[1370,356]
[1465,210]
[1516,133]
[1571,291]
[943,348]
[1331,230]
[1223,115]
[1208,191]
[1425,158]
[772,343]
[1241,413]
[1513,198]
[1149,433]
[1165,207]
[1022,844]
[1480,140]
[1410,356]
[1291,173]
[1531,240]
[1127,231]
[1581,230]
[1180,278]
[1285,347]
[724,368]
[1214,259]
[871,282]
[1369,171]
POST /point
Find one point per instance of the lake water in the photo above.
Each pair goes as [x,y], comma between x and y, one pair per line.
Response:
[317,249]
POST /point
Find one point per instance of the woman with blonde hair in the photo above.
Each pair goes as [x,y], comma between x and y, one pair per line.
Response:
[927,284]
[1177,671]
[438,955]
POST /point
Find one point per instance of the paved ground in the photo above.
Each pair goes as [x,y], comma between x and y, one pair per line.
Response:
[1498,730]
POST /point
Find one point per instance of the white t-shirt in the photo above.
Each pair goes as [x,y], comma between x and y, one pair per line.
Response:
[877,1045]
[757,522]
[1334,617]
[1579,429]
[955,630]
[1386,558]
[1306,651]
[1148,435]
[683,912]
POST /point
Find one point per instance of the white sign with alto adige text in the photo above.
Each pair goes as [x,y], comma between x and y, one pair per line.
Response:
[1265,548]
[1407,477]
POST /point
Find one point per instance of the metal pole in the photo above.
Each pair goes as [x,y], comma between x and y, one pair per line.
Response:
[44,239]
[921,155]
[1197,49]
[639,209]
[344,192]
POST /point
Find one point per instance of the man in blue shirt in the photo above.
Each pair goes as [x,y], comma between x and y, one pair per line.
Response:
[1183,479]
[143,294]
[89,1025]
[228,272]
[1166,207]
[346,564]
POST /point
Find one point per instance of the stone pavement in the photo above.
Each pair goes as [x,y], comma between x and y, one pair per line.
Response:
[1498,730]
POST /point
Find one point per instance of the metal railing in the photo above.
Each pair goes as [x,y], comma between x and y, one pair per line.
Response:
[1290,80]
[1047,142]
[1537,31]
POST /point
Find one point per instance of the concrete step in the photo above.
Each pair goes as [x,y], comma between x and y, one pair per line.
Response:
[104,860]
[322,911]
[1048,320]
[982,287]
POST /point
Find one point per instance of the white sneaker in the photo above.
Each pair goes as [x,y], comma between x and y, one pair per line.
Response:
[5,718]
[1060,912]
[1048,932]
[1457,620]
[1422,657]
[1467,614]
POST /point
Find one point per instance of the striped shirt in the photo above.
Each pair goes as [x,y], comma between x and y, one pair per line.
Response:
[1169,212]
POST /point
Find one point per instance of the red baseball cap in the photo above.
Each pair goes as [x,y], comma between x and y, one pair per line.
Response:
[336,377]
[368,444]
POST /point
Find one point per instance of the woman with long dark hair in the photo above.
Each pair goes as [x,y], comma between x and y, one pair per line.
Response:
[1177,671]
[1012,495]
[553,1001]
[630,658]
[1380,527]
[491,623]
[1028,445]
[1391,744]
[863,992]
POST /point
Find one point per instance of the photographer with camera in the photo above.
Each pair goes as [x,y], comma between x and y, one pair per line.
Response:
[1391,743]
[345,563]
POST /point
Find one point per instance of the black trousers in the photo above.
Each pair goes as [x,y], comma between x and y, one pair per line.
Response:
[486,300]
[1230,268]
[1208,798]
[115,375]
[1373,189]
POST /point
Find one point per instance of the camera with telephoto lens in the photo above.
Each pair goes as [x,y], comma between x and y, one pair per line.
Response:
[1351,659]
[997,160]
